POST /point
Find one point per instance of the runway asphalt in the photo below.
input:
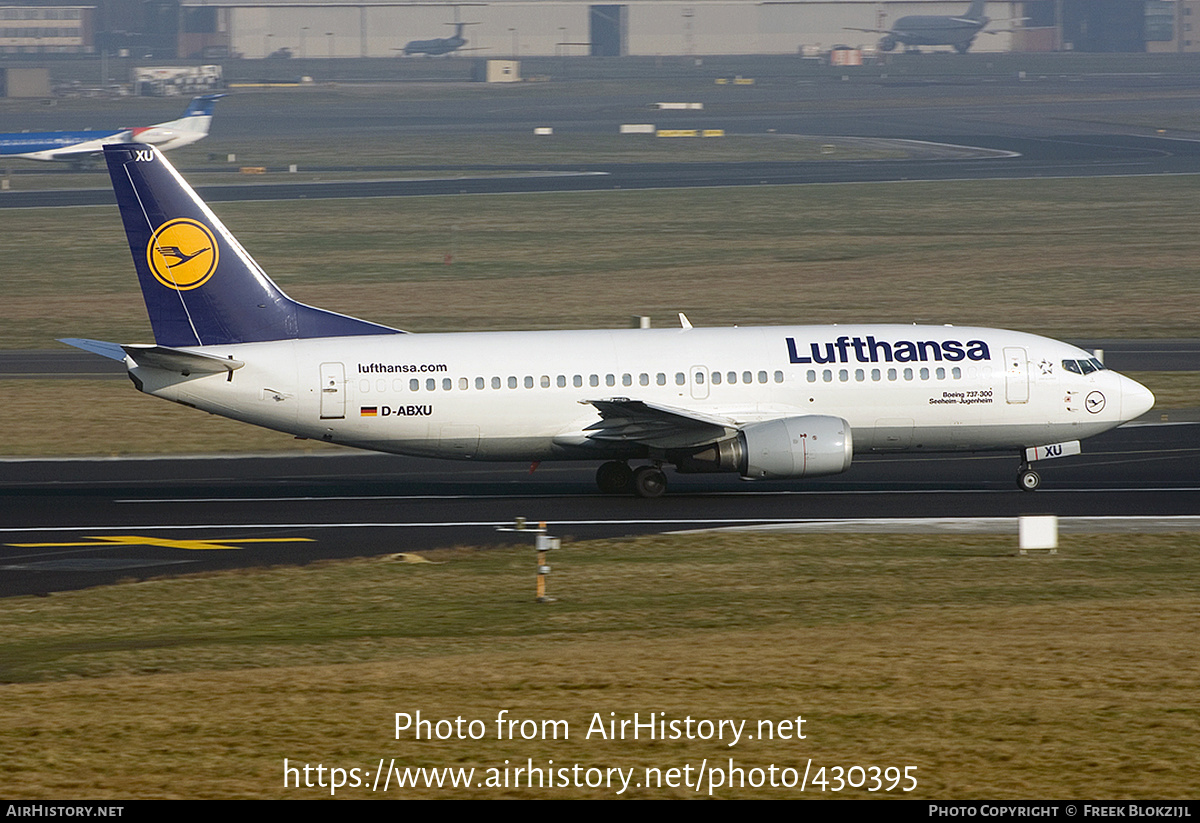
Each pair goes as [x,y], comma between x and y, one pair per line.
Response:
[1062,156]
[75,523]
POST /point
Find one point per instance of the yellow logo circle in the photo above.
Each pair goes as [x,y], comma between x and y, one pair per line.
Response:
[182,254]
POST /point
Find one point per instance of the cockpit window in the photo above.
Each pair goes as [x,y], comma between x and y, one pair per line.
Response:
[1083,366]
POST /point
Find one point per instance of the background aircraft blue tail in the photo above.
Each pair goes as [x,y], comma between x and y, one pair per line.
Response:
[202,105]
[975,11]
[201,287]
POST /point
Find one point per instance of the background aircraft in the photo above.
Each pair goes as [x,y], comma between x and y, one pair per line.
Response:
[79,147]
[440,45]
[935,30]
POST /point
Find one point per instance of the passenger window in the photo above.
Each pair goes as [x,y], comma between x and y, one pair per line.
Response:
[414,384]
[610,380]
[716,378]
[812,376]
[778,377]
[731,377]
[447,384]
[562,381]
[627,380]
[662,379]
[924,374]
[495,382]
[860,375]
[680,378]
[843,375]
[479,382]
[512,382]
[594,380]
[876,375]
[762,377]
[747,377]
[908,374]
[577,381]
[431,384]
[643,379]
[827,376]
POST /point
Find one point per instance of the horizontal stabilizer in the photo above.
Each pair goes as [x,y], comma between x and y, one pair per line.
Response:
[112,351]
[184,362]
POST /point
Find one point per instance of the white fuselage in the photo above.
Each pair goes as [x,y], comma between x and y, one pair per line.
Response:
[524,395]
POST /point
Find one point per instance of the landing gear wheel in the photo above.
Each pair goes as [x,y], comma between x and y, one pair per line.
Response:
[649,481]
[1028,480]
[614,477]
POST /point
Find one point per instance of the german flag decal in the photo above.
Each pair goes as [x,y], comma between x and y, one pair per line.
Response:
[368,411]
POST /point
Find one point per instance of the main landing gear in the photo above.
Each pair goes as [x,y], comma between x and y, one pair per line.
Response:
[615,477]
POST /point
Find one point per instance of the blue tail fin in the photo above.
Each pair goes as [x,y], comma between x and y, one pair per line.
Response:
[201,287]
[202,105]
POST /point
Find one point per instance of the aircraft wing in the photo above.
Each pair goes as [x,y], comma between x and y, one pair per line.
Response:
[636,421]
[74,154]
[868,31]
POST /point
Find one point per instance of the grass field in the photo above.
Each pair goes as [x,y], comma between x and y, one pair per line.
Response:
[1112,257]
[996,676]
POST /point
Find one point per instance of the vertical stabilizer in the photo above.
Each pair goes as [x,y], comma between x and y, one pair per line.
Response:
[975,12]
[201,287]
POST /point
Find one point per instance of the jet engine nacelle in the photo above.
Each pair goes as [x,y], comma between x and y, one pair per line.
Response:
[155,135]
[796,447]
[790,447]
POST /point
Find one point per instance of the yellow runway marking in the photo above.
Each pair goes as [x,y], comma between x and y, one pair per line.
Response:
[163,542]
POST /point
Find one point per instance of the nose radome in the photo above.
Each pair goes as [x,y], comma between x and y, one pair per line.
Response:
[1136,399]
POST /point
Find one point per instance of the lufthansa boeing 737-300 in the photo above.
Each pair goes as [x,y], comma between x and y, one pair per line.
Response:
[79,147]
[765,402]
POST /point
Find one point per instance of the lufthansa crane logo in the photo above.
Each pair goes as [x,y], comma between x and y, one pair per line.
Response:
[182,254]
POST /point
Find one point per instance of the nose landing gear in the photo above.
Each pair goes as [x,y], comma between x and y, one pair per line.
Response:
[1027,479]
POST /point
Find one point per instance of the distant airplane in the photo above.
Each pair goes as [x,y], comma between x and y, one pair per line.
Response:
[935,30]
[440,45]
[79,147]
[765,402]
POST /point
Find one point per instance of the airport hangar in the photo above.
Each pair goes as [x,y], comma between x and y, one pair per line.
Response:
[216,29]
[512,29]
